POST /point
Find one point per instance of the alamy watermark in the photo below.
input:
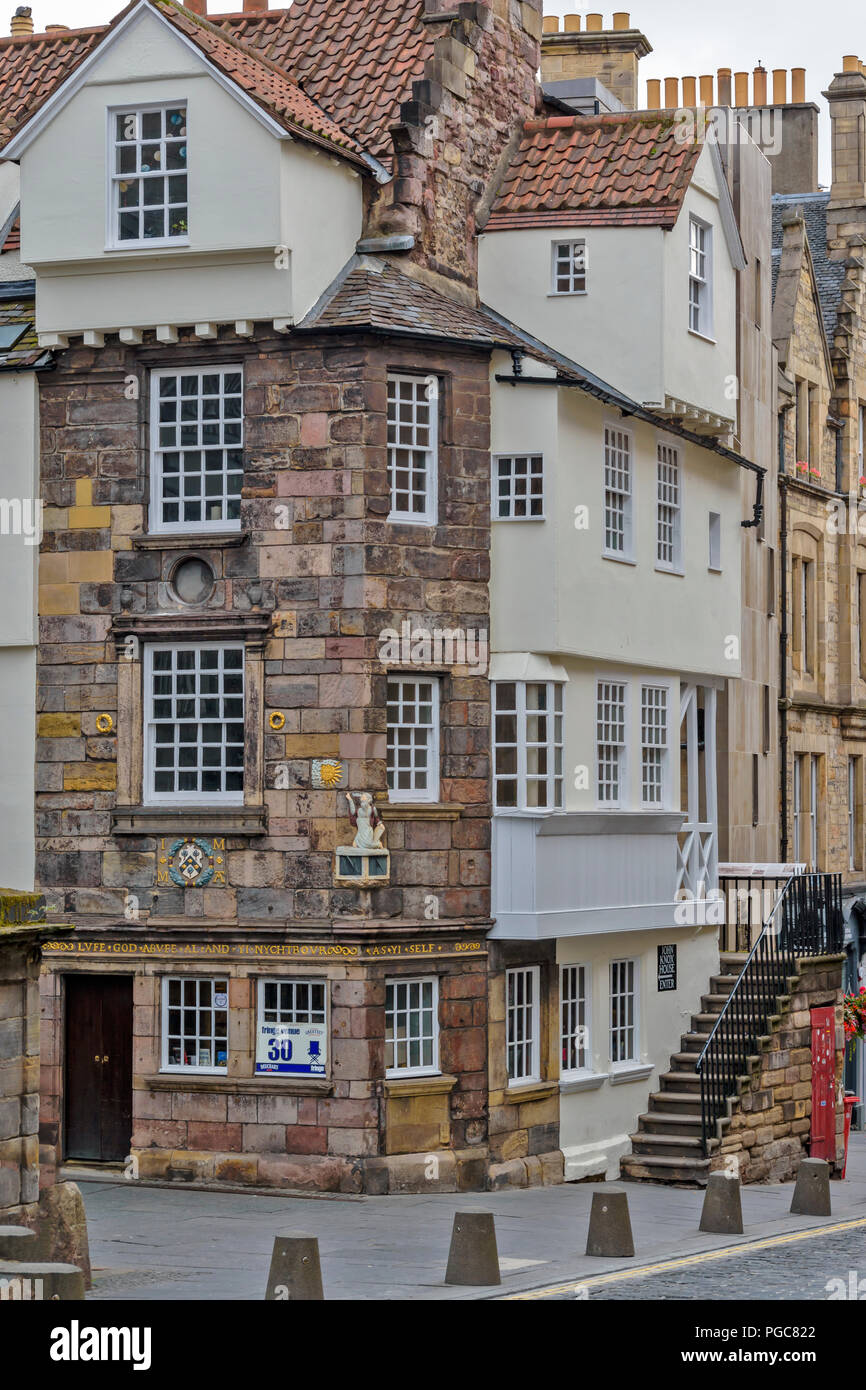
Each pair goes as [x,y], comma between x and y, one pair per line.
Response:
[22,516]
[421,646]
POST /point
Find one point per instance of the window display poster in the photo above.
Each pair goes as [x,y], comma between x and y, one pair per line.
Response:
[284,1049]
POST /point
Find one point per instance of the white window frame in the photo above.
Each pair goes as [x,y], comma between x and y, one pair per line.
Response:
[576,1002]
[398,795]
[625,492]
[555,780]
[156,525]
[669,506]
[657,687]
[575,262]
[430,513]
[797,804]
[187,1068]
[532,1009]
[422,981]
[813,813]
[613,804]
[504,486]
[113,240]
[634,1059]
[700,277]
[293,1015]
[151,797]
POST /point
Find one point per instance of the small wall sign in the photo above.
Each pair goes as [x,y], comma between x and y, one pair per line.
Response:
[667,968]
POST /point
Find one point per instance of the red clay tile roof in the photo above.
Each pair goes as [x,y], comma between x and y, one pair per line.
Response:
[354,61]
[267,84]
[356,58]
[13,238]
[595,171]
[31,65]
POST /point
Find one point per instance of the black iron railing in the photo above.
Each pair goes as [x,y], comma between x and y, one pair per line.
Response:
[805,921]
[749,901]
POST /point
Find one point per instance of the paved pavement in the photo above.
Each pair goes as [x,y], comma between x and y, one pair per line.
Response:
[151,1243]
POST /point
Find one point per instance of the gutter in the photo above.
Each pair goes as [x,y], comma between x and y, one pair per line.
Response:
[784,701]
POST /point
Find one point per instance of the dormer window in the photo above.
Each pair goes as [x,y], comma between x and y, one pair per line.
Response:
[149,200]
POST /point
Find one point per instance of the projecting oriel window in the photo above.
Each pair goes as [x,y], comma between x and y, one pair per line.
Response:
[197,458]
[194,723]
[195,1024]
[527,745]
[617,492]
[610,742]
[413,404]
[654,744]
[149,201]
[413,739]
[569,267]
[412,1026]
[518,487]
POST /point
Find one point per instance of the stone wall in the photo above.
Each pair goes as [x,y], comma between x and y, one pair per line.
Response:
[770,1128]
[21,936]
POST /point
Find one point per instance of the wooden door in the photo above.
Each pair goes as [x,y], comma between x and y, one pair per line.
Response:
[98,1067]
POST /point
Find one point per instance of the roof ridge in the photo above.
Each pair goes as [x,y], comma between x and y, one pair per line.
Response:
[57,35]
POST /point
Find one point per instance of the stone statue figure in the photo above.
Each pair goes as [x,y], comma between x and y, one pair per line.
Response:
[368,824]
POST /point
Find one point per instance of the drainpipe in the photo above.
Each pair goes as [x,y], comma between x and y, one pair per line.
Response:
[783,637]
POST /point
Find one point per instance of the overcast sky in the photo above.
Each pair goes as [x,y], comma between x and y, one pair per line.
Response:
[687,39]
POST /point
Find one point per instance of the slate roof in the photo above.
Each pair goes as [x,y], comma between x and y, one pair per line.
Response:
[828,274]
[335,69]
[610,170]
[268,85]
[17,308]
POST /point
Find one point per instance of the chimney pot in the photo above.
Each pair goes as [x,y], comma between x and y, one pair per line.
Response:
[594,23]
[741,89]
[706,89]
[759,86]
[798,85]
[850,63]
[653,94]
[780,86]
[57,28]
[672,93]
[22,21]
[621,19]
[690,91]
[550,24]
[572,24]
[724,86]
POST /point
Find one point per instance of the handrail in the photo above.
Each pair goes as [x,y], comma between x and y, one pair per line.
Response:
[764,930]
[811,911]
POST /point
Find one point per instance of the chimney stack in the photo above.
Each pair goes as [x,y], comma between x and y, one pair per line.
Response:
[847,97]
[609,54]
[22,21]
[255,6]
[197,7]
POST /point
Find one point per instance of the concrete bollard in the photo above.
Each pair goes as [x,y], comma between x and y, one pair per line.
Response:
[722,1211]
[295,1272]
[610,1225]
[472,1256]
[16,1242]
[26,1280]
[812,1190]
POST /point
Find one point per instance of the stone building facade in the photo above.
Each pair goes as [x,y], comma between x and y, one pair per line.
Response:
[201,925]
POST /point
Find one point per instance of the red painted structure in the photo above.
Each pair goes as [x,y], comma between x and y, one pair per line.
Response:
[823,1141]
